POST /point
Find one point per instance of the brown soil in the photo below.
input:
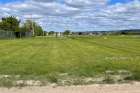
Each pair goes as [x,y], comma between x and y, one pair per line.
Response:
[97,88]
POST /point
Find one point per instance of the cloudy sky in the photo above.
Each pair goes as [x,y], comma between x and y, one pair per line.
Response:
[76,15]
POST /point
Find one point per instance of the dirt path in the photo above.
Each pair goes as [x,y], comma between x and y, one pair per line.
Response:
[123,88]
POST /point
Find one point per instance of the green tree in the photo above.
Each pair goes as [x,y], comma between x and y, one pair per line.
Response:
[1,26]
[38,30]
[10,24]
[67,32]
[30,26]
[51,33]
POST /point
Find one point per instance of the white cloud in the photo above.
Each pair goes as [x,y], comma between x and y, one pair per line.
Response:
[44,0]
[82,3]
[77,14]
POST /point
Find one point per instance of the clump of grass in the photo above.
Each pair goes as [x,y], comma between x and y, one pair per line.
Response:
[108,79]
[120,76]
[21,84]
[53,78]
[6,82]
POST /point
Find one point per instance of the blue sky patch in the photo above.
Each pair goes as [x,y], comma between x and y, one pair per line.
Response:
[119,1]
[8,1]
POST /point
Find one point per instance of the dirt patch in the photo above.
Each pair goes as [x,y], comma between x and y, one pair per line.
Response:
[64,79]
[97,88]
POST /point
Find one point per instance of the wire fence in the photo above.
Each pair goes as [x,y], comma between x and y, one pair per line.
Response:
[13,35]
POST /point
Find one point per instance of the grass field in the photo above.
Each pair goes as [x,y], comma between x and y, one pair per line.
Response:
[76,56]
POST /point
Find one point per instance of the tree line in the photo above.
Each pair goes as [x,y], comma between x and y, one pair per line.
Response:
[11,23]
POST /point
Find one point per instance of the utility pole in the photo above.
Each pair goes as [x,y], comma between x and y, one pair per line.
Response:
[33,30]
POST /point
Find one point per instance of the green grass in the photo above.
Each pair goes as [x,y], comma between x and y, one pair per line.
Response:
[77,56]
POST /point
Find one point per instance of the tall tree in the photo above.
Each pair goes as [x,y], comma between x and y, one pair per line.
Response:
[32,26]
[10,23]
[67,32]
[51,32]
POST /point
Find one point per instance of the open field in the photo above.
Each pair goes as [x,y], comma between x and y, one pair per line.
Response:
[45,58]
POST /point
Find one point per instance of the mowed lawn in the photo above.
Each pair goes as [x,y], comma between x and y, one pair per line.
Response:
[77,56]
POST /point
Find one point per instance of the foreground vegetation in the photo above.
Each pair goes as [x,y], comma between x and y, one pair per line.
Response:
[46,58]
